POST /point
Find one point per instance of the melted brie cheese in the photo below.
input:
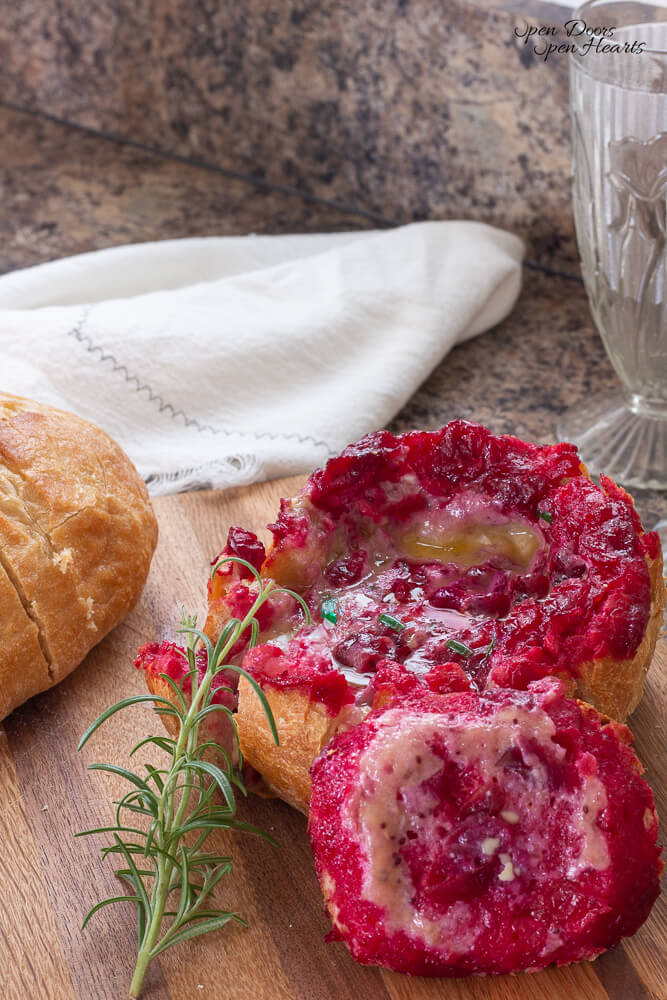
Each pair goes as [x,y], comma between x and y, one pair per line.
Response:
[471,543]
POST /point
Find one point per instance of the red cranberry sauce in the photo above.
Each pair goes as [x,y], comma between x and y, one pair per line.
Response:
[502,843]
[241,544]
[589,613]
[304,669]
[356,532]
[461,456]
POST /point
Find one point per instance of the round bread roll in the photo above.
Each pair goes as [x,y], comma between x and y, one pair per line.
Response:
[451,550]
[77,533]
[483,833]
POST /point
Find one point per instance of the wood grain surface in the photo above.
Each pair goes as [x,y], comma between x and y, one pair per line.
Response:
[48,880]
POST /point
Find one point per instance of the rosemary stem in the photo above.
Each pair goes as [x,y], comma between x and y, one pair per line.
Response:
[143,959]
[184,749]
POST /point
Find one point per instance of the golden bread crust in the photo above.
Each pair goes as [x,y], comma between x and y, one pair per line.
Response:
[22,662]
[615,687]
[304,729]
[77,533]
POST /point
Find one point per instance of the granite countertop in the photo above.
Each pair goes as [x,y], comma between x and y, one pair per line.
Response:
[403,110]
[68,189]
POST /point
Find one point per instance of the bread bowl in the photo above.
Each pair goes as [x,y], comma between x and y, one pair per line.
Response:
[487,832]
[77,533]
[544,573]
[454,552]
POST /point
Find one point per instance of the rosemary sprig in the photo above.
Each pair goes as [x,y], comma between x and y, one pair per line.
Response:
[165,863]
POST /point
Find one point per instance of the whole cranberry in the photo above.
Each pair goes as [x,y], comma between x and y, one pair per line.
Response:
[494,605]
[364,651]
[569,564]
[448,598]
[532,584]
[347,570]
[246,545]
[402,589]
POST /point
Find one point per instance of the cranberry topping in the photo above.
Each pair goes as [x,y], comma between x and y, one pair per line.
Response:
[346,570]
[579,592]
[363,652]
[401,589]
[567,563]
[445,677]
[246,545]
[305,671]
[460,456]
[651,544]
[452,597]
[357,474]
[494,605]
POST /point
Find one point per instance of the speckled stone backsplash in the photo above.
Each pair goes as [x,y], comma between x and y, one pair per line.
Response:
[401,110]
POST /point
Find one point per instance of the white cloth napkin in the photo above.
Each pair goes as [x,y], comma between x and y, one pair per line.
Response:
[224,361]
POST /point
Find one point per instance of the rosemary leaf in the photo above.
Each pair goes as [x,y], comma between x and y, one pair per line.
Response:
[459,647]
[394,623]
[135,700]
[107,902]
[197,929]
[163,742]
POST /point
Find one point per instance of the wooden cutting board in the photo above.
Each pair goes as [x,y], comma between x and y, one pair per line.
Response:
[48,880]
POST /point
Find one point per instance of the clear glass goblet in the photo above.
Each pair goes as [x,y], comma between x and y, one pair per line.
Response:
[618,103]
